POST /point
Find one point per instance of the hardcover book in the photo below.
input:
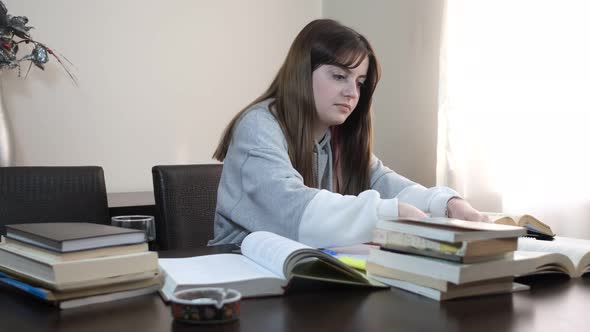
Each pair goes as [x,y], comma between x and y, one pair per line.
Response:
[450,230]
[488,287]
[85,296]
[34,251]
[67,237]
[454,272]
[463,252]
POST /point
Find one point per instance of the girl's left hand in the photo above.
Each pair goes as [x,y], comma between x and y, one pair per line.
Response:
[460,209]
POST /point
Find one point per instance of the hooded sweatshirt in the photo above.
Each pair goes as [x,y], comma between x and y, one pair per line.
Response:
[260,189]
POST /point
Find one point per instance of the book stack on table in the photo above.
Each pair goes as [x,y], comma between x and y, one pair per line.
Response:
[76,264]
[444,258]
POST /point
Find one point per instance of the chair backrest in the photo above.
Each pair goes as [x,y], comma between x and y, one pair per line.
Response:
[186,196]
[52,194]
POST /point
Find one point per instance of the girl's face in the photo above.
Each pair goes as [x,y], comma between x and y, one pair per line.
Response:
[336,91]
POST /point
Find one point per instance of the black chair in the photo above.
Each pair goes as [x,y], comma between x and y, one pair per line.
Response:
[52,194]
[186,196]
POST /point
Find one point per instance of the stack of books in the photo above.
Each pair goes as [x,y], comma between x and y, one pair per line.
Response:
[444,258]
[76,264]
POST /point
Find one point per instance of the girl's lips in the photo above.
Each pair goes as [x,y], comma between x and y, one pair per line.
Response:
[344,106]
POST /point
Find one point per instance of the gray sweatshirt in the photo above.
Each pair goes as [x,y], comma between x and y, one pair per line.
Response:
[260,190]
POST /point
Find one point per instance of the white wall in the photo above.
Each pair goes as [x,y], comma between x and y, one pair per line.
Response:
[158,80]
[406,37]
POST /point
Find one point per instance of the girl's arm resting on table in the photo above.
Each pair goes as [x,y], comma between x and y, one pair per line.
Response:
[332,220]
[390,184]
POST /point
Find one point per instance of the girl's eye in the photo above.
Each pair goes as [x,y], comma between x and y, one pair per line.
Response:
[360,84]
[339,77]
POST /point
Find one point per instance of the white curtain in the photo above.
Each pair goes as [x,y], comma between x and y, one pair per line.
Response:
[514,108]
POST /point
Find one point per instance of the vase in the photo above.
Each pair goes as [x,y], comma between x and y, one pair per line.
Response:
[6,153]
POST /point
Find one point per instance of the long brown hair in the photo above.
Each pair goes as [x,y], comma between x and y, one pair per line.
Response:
[321,42]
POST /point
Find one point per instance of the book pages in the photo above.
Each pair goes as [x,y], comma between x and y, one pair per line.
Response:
[213,269]
[577,250]
[270,250]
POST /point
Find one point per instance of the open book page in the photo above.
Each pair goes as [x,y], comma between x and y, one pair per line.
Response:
[213,269]
[502,218]
[290,259]
[270,250]
[524,220]
[577,250]
[547,262]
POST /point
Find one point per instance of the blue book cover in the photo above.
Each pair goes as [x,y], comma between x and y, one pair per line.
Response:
[13,283]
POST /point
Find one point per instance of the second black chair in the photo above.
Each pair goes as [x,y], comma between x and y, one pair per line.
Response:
[186,196]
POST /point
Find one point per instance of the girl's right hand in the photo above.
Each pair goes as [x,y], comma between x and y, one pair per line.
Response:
[409,211]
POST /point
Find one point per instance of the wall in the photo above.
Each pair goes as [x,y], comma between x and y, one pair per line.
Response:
[406,37]
[158,80]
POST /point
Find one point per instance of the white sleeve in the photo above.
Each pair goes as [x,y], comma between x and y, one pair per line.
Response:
[390,184]
[332,219]
[432,200]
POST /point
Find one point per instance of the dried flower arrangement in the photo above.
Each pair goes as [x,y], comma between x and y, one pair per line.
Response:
[15,32]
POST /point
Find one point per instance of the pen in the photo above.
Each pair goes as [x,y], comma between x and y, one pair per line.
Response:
[329,252]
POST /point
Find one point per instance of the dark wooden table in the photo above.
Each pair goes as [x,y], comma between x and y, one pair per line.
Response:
[554,304]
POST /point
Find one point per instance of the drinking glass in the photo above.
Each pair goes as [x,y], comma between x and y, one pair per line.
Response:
[145,223]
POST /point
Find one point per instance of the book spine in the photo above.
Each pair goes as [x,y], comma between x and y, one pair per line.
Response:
[386,238]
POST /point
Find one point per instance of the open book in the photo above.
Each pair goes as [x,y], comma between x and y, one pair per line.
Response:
[268,265]
[533,225]
[562,255]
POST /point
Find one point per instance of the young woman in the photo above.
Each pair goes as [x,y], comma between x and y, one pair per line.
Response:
[298,160]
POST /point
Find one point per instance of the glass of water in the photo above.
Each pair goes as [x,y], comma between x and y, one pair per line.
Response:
[145,223]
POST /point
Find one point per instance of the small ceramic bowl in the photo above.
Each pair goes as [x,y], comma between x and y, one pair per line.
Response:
[206,305]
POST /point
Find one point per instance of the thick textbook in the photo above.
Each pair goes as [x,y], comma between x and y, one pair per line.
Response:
[468,290]
[422,280]
[73,236]
[78,285]
[61,275]
[454,272]
[534,226]
[32,250]
[85,296]
[269,263]
[562,255]
[464,252]
[450,230]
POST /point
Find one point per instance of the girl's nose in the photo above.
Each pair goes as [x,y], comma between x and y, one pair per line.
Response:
[351,90]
